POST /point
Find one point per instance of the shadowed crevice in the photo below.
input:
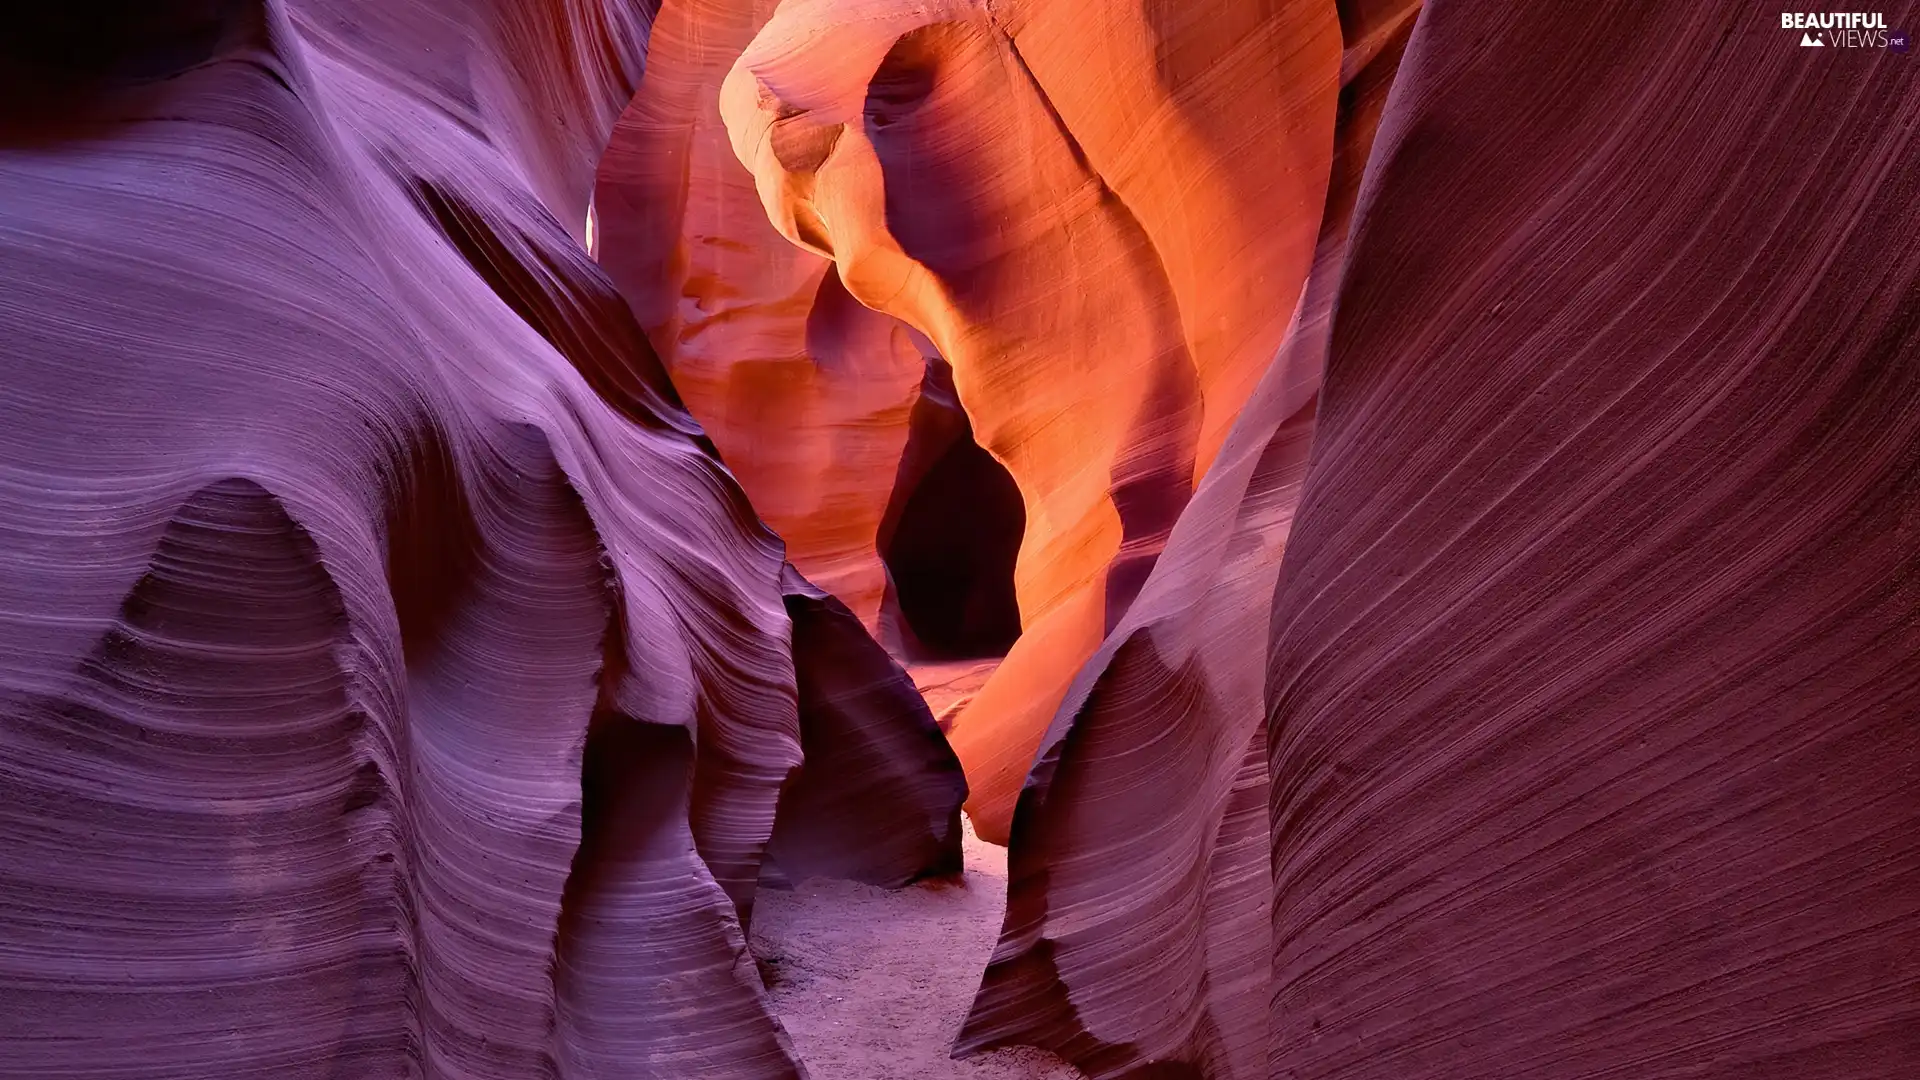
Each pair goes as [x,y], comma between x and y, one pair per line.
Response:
[877,798]
[651,963]
[559,291]
[951,533]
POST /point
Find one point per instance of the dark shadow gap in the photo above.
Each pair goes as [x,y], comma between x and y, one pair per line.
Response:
[951,534]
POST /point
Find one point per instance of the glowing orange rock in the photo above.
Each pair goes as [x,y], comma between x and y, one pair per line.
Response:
[805,392]
[1139,898]
[1100,215]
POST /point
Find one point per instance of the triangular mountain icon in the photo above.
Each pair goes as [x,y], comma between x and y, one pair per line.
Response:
[1809,39]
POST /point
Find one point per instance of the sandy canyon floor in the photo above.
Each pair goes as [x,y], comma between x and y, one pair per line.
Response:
[873,984]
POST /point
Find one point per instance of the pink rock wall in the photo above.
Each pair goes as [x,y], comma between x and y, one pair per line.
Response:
[1469,530]
[392,682]
[1595,668]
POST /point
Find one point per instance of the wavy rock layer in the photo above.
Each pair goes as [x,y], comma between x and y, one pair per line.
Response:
[392,683]
[1157,757]
[1089,209]
[805,391]
[1596,668]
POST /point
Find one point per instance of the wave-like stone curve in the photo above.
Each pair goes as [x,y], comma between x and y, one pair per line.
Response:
[392,681]
[1596,672]
[1157,757]
[1088,208]
[805,391]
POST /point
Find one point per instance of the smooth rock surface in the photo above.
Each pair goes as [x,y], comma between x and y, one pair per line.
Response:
[805,391]
[1099,214]
[1138,906]
[392,682]
[1596,670]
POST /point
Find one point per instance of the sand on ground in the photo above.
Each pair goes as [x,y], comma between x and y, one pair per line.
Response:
[873,984]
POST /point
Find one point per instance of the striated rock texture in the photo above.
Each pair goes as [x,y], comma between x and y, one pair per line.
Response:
[392,683]
[1089,209]
[805,391]
[1156,761]
[1595,686]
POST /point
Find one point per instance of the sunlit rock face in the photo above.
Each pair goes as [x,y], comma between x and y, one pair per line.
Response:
[1445,485]
[1100,215]
[1137,922]
[392,681]
[1577,736]
[806,392]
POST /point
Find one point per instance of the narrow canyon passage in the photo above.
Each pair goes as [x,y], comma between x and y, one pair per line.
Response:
[872,984]
[524,527]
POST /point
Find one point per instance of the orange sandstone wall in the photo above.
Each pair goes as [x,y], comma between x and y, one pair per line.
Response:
[805,391]
[1101,215]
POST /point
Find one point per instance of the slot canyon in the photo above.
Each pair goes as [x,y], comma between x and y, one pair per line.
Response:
[966,539]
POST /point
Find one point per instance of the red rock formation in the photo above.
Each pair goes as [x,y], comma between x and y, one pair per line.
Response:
[1596,672]
[805,391]
[391,681]
[1089,209]
[1156,761]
